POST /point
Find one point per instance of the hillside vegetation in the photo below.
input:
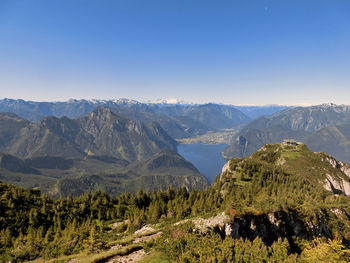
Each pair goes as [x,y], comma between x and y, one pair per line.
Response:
[274,206]
[58,176]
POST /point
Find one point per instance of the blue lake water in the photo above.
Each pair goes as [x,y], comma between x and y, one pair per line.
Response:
[206,158]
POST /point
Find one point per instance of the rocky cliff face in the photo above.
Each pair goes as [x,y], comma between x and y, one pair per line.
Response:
[269,227]
[336,184]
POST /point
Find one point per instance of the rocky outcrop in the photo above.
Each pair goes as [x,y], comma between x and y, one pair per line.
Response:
[336,184]
[219,221]
[225,169]
[269,227]
[345,168]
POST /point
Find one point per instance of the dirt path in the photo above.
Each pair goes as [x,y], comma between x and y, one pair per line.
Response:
[132,257]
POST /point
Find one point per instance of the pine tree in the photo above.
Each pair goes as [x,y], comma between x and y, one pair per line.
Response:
[93,243]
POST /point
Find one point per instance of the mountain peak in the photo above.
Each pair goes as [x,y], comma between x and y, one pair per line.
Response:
[102,113]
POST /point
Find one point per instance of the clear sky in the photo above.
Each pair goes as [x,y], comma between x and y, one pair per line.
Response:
[234,52]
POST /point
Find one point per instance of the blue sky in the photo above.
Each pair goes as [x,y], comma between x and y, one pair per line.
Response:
[234,52]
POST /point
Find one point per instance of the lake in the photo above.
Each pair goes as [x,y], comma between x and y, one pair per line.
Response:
[206,158]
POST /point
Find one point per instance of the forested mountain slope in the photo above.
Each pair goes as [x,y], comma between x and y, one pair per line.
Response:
[282,204]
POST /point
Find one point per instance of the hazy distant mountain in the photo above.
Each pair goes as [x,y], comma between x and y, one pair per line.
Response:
[255,112]
[334,140]
[312,125]
[178,120]
[214,116]
[99,133]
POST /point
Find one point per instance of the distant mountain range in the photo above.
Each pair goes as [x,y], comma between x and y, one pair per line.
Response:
[323,128]
[179,120]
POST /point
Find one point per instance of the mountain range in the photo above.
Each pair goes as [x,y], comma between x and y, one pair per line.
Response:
[100,150]
[120,136]
[178,120]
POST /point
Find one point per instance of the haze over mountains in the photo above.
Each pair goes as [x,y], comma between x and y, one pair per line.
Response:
[35,111]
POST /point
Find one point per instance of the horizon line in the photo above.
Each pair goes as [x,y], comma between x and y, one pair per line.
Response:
[180,101]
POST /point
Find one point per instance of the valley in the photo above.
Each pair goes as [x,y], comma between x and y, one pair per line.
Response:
[221,137]
[206,157]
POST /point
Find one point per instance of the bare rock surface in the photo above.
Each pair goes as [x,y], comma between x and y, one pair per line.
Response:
[117,224]
[338,185]
[145,230]
[211,222]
